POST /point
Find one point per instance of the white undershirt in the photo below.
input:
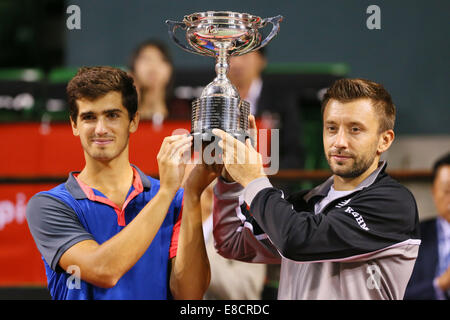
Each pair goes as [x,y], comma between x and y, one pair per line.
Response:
[207,228]
[332,195]
[253,94]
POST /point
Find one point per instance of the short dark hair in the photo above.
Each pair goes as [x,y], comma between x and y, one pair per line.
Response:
[442,161]
[346,90]
[92,83]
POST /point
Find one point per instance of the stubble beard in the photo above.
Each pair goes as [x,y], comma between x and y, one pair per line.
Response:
[360,165]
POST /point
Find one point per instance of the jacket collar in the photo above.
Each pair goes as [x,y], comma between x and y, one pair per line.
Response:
[323,189]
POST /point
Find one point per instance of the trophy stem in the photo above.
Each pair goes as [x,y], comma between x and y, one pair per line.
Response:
[221,85]
[222,64]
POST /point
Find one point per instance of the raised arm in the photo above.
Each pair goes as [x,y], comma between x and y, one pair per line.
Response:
[191,274]
[346,232]
[236,233]
[104,264]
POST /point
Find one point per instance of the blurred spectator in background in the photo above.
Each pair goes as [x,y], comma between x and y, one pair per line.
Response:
[431,276]
[230,279]
[152,69]
[273,106]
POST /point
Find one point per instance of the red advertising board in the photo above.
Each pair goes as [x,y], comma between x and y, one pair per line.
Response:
[36,150]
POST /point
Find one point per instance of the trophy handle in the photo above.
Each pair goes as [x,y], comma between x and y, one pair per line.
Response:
[173,25]
[275,21]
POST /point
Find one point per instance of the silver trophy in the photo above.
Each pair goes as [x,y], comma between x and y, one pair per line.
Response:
[222,34]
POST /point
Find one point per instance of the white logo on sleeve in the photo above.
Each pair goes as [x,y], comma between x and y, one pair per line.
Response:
[373,281]
[358,218]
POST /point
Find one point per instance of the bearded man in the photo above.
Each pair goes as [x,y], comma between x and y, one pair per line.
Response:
[355,236]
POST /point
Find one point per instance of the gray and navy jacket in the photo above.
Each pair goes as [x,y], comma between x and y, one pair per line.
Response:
[360,246]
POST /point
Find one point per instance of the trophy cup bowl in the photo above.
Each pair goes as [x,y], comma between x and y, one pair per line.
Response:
[221,34]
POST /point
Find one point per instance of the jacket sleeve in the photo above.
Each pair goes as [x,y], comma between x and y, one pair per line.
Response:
[54,226]
[236,233]
[345,233]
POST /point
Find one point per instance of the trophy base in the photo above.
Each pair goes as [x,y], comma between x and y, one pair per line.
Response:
[206,145]
[217,112]
[207,136]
